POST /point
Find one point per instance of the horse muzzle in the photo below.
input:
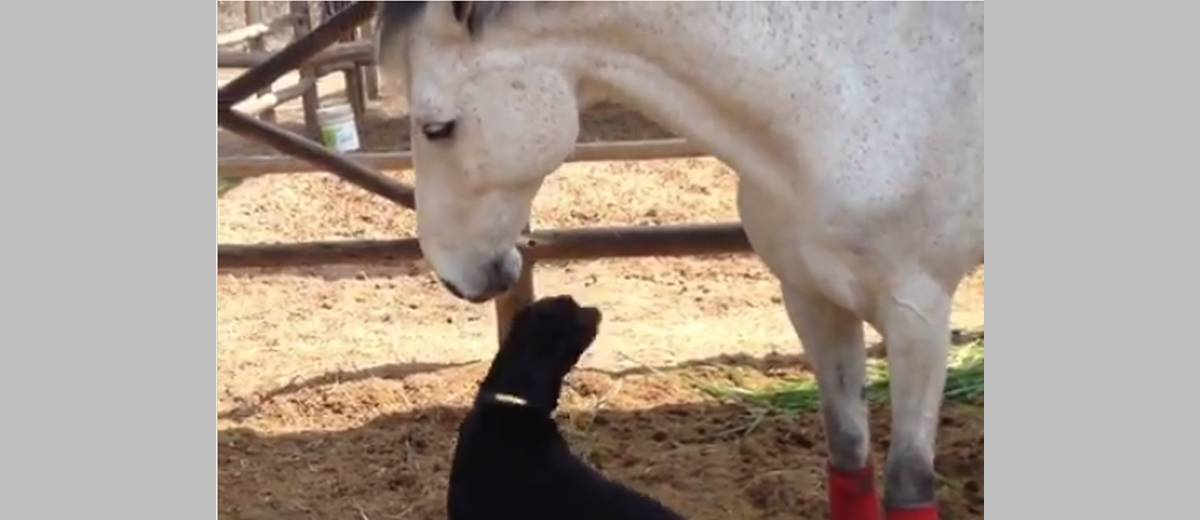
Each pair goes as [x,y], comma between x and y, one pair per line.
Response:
[497,277]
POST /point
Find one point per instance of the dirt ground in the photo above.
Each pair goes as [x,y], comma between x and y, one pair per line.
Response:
[340,388]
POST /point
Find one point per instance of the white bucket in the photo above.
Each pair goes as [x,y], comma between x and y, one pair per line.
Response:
[337,128]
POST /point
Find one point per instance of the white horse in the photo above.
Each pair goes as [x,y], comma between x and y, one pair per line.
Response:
[856,131]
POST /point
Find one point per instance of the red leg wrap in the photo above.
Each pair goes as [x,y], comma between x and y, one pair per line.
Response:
[920,513]
[852,495]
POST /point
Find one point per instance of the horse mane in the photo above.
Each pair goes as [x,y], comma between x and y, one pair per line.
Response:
[394,17]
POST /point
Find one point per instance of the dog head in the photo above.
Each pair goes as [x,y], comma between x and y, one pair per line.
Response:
[545,342]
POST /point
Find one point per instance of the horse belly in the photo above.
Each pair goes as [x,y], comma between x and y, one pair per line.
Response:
[853,246]
[887,179]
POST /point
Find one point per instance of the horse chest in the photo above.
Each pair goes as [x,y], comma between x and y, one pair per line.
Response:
[807,241]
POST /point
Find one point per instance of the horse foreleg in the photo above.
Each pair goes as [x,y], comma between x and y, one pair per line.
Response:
[915,324]
[833,340]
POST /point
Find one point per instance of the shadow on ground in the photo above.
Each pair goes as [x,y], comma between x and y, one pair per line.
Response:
[378,444]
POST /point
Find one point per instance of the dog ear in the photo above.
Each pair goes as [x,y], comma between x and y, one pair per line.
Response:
[522,328]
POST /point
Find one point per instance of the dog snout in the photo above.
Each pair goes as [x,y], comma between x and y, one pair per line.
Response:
[590,316]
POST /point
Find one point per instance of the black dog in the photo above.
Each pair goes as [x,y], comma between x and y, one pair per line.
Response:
[511,462]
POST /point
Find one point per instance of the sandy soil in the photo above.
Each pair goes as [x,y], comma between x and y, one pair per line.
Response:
[340,388]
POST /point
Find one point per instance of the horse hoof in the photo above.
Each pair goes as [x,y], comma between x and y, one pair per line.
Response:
[920,513]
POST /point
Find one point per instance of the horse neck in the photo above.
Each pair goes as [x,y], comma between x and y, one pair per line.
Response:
[772,88]
[685,66]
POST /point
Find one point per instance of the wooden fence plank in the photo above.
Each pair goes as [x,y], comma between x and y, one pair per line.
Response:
[542,245]
[255,165]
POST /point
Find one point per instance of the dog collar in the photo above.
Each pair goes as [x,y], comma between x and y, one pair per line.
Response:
[509,399]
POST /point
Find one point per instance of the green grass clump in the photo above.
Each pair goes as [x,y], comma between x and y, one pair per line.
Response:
[964,384]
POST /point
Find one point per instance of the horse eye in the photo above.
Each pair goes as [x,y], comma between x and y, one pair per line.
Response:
[435,131]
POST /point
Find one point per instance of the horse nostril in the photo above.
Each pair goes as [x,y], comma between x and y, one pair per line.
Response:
[499,280]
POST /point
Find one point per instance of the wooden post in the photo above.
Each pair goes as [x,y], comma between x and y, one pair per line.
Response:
[353,79]
[370,71]
[511,302]
[258,43]
[358,103]
[302,24]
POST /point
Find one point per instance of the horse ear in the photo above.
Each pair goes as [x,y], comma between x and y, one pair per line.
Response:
[474,13]
[461,10]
